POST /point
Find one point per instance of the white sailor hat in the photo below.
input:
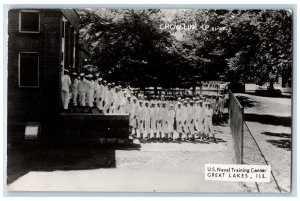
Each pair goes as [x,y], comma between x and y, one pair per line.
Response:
[82,74]
[104,81]
[100,79]
[185,101]
[192,101]
[66,70]
[74,73]
[113,83]
[179,103]
[134,98]
[171,105]
[97,74]
[109,84]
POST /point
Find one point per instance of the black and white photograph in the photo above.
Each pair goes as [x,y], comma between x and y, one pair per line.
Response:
[149,100]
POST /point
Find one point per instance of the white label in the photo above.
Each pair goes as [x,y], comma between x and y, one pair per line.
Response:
[244,173]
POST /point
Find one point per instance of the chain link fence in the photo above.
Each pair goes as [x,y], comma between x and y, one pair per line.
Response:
[246,148]
[236,118]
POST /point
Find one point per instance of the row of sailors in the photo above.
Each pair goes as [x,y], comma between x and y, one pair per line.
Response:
[159,119]
[146,118]
[84,90]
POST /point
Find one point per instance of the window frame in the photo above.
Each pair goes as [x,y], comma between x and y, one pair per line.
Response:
[19,69]
[29,11]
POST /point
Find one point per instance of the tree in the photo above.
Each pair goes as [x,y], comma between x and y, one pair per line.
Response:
[235,45]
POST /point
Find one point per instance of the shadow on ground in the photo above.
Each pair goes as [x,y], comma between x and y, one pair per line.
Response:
[283,135]
[284,95]
[268,119]
[246,102]
[48,157]
[221,120]
[284,144]
[196,141]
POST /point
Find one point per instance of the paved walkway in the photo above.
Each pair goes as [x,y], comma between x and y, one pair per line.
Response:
[269,120]
[154,167]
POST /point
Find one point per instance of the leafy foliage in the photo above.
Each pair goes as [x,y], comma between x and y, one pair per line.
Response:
[128,45]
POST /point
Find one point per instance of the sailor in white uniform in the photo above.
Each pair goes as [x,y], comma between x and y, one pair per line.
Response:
[209,128]
[82,87]
[192,119]
[147,119]
[171,119]
[133,116]
[153,118]
[185,119]
[98,93]
[164,119]
[75,89]
[65,89]
[90,92]
[199,119]
[141,119]
[179,120]
[158,115]
[108,99]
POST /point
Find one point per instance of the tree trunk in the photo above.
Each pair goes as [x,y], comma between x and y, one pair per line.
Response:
[271,87]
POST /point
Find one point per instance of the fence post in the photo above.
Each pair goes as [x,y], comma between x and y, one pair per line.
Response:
[242,136]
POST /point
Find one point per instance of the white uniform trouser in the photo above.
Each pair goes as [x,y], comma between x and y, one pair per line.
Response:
[141,126]
[185,127]
[153,126]
[75,95]
[82,95]
[116,109]
[170,126]
[65,99]
[147,126]
[107,106]
[90,97]
[200,125]
[159,126]
[132,121]
[209,128]
[179,126]
[98,102]
[192,127]
[165,126]
[122,109]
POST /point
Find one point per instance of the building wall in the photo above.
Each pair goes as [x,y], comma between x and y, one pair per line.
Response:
[40,104]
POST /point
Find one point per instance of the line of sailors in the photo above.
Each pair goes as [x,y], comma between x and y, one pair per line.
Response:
[188,118]
[89,91]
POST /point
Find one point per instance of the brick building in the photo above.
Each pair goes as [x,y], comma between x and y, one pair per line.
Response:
[42,42]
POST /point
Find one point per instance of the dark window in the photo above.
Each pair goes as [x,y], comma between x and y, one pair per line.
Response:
[29,21]
[29,70]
